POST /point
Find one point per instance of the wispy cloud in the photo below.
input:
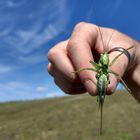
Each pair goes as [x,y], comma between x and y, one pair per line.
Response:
[26,27]
[115,6]
[31,40]
[103,8]
[33,59]
[5,68]
[5,31]
[13,4]
[46,25]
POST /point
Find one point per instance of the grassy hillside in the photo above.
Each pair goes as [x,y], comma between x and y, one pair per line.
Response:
[71,118]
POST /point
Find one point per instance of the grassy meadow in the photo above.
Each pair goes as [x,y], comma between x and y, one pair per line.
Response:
[71,118]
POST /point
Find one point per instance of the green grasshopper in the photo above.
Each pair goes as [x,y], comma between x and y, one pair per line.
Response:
[102,75]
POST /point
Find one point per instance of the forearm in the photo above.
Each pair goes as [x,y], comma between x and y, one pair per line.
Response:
[132,77]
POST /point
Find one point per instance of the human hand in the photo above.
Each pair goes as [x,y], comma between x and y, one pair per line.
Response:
[86,44]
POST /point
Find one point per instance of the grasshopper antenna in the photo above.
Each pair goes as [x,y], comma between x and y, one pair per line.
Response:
[110,37]
[100,32]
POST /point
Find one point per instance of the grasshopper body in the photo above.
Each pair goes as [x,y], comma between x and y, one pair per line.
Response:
[102,75]
[102,84]
[102,80]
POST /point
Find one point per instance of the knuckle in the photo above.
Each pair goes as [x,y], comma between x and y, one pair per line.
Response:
[80,25]
[72,43]
[52,52]
[56,50]
[81,35]
[75,42]
[50,69]
[85,26]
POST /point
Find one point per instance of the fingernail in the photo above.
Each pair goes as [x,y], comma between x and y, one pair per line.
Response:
[90,87]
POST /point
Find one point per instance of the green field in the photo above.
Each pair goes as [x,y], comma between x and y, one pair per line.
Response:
[71,118]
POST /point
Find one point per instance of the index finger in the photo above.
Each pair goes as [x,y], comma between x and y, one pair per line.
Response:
[79,47]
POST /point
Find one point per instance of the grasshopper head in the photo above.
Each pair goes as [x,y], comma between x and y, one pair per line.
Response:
[104,59]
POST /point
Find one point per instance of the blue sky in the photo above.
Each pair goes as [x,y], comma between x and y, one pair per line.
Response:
[28,29]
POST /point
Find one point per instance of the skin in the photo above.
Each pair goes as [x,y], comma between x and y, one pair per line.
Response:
[85,44]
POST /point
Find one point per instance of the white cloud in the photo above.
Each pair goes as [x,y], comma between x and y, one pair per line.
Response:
[13,86]
[41,89]
[33,59]
[5,68]
[16,90]
[54,94]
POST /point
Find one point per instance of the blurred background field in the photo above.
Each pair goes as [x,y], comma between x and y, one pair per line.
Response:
[71,118]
